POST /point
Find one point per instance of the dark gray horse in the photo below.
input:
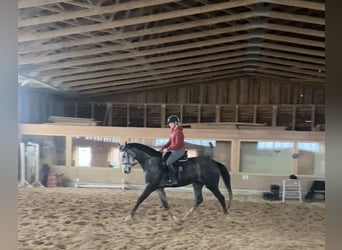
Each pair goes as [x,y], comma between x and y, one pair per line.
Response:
[198,171]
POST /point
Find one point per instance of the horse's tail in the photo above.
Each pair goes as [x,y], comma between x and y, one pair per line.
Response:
[226,179]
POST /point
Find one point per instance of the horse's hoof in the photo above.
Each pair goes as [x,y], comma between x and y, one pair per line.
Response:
[175,219]
[228,218]
[189,213]
[128,218]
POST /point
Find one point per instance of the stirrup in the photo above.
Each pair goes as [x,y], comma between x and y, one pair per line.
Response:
[172,182]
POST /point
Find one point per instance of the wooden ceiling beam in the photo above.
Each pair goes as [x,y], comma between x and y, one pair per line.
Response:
[135,20]
[220,60]
[193,71]
[302,56]
[89,12]
[136,33]
[22,4]
[277,57]
[237,38]
[163,16]
[181,80]
[168,85]
[298,4]
[27,59]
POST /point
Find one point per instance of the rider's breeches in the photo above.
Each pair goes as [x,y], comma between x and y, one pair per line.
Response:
[174,156]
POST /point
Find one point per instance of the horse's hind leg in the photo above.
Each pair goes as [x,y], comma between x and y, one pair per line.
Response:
[163,200]
[215,190]
[198,198]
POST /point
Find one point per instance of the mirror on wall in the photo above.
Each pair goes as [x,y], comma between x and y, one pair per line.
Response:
[266,157]
[283,158]
[95,151]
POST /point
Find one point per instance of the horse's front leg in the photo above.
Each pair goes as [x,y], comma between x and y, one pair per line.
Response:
[147,191]
[163,200]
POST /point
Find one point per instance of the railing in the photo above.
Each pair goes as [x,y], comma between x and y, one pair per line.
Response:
[293,117]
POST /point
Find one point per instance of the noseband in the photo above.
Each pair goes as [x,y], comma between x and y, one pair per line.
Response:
[127,156]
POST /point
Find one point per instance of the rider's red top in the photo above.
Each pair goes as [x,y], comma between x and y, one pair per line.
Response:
[176,140]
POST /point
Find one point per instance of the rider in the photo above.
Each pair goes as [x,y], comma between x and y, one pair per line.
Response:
[175,145]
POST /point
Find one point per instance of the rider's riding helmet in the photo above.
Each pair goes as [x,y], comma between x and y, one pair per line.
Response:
[172,118]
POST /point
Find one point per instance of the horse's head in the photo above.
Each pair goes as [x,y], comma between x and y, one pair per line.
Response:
[127,158]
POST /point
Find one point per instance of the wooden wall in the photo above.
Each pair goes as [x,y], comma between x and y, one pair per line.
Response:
[36,105]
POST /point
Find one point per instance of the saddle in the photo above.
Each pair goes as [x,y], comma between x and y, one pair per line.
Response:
[177,163]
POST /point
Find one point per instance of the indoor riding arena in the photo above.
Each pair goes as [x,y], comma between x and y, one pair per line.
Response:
[246,78]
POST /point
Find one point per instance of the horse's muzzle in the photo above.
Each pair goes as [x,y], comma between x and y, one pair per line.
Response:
[126,169]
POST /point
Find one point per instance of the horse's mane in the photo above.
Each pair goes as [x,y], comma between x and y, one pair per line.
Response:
[145,148]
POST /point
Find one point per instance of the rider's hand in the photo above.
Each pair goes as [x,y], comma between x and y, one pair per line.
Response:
[165,150]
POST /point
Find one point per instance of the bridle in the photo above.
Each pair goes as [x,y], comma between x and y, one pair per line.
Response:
[127,159]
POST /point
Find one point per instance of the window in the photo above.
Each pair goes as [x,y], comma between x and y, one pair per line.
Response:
[94,151]
[83,156]
[115,158]
[274,145]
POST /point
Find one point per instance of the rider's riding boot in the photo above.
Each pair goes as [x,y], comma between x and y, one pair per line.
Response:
[172,176]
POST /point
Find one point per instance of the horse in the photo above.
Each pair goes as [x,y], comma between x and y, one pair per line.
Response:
[198,171]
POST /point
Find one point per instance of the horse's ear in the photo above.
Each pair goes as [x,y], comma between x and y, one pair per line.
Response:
[125,143]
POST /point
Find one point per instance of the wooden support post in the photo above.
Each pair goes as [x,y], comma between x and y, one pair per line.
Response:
[274,115]
[92,110]
[235,156]
[68,151]
[110,113]
[218,113]
[293,126]
[181,112]
[163,115]
[236,113]
[145,115]
[51,110]
[75,109]
[313,118]
[255,110]
[128,115]
[199,113]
